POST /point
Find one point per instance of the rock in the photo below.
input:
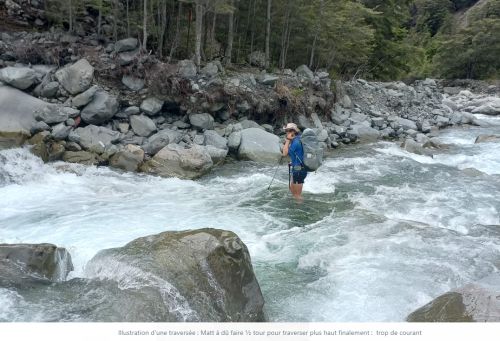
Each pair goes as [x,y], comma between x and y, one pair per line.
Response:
[76,78]
[84,98]
[303,71]
[245,124]
[202,121]
[487,138]
[38,145]
[181,125]
[442,121]
[413,147]
[73,147]
[17,116]
[126,58]
[187,69]
[151,106]
[161,139]
[176,161]
[364,133]
[214,139]
[406,124]
[487,109]
[125,45]
[39,126]
[214,282]
[133,110]
[210,70]
[259,145]
[123,127]
[218,155]
[19,77]
[56,151]
[133,83]
[128,159]
[451,90]
[51,114]
[268,79]
[94,138]
[257,58]
[21,263]
[82,157]
[142,125]
[49,90]
[60,131]
[475,302]
[425,127]
[450,104]
[234,140]
[322,135]
[101,109]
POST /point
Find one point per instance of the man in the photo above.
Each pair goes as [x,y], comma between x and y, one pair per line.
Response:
[293,148]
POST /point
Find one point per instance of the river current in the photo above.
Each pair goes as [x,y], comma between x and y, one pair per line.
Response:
[380,233]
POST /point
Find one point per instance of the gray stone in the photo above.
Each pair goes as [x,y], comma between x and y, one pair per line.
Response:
[94,138]
[414,147]
[442,121]
[128,44]
[259,145]
[18,77]
[84,98]
[39,126]
[257,58]
[407,124]
[82,157]
[322,135]
[187,69]
[133,83]
[73,147]
[133,110]
[123,127]
[268,79]
[76,78]
[51,114]
[151,106]
[49,90]
[142,125]
[364,133]
[161,139]
[129,159]
[234,140]
[202,121]
[177,161]
[218,155]
[60,131]
[210,70]
[101,109]
[245,124]
[304,72]
[487,138]
[214,139]
[126,58]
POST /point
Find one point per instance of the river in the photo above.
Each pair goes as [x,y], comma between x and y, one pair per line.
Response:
[380,232]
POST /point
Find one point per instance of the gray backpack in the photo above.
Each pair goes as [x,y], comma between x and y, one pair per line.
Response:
[313,153]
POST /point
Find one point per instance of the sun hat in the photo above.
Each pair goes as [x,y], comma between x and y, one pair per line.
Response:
[291,126]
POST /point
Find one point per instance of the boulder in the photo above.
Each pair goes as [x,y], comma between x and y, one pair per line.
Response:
[128,159]
[210,70]
[17,115]
[202,121]
[82,157]
[475,302]
[128,44]
[133,83]
[258,145]
[257,58]
[487,109]
[414,147]
[216,154]
[142,125]
[234,140]
[94,138]
[126,58]
[487,138]
[76,78]
[214,139]
[407,124]
[161,139]
[363,132]
[84,98]
[60,131]
[18,77]
[176,161]
[304,72]
[49,90]
[151,106]
[23,263]
[187,69]
[268,79]
[51,114]
[101,109]
[200,275]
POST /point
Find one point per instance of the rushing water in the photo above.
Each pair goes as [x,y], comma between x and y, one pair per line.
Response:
[380,233]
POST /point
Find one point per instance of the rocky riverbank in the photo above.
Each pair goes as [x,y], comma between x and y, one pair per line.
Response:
[143,281]
[175,120]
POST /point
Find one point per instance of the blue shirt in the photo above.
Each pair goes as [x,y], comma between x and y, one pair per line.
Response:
[296,152]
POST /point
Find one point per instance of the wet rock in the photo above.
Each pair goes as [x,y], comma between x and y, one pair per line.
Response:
[487,138]
[234,140]
[101,109]
[22,263]
[18,77]
[76,78]
[216,154]
[82,157]
[258,145]
[128,159]
[51,114]
[60,131]
[213,282]
[161,139]
[94,138]
[177,161]
[214,139]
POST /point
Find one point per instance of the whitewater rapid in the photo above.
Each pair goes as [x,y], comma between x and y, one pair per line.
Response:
[380,233]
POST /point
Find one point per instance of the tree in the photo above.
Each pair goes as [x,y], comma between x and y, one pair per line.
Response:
[268,32]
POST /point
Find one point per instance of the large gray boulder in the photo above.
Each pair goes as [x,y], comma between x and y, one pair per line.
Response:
[187,68]
[129,159]
[101,109]
[475,302]
[202,121]
[487,138]
[128,44]
[83,157]
[176,161]
[304,72]
[24,263]
[258,145]
[257,58]
[234,141]
[198,275]
[17,116]
[151,105]
[407,124]
[216,154]
[76,78]
[142,125]
[19,77]
[161,139]
[214,139]
[364,133]
[94,138]
[51,114]
[85,97]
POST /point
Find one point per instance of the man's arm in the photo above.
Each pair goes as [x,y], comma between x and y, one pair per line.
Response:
[286,147]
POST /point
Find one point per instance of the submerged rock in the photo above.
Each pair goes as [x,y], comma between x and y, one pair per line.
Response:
[487,138]
[475,302]
[199,275]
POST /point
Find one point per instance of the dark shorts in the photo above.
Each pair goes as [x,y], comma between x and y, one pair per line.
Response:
[299,176]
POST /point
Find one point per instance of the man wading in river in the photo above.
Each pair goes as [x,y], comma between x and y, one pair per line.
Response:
[293,148]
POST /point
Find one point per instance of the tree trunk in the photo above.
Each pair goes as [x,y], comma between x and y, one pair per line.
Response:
[230,36]
[212,35]
[144,25]
[199,34]
[175,41]
[163,27]
[99,19]
[115,20]
[71,15]
[317,31]
[268,32]
[284,35]
[128,22]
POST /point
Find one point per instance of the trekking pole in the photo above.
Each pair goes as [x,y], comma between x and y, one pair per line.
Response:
[276,171]
[289,174]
